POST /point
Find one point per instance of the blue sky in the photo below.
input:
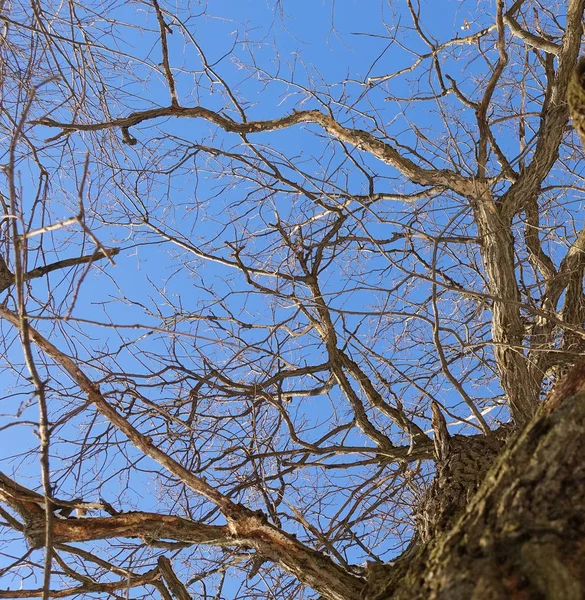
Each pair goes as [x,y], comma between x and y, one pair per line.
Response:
[331,48]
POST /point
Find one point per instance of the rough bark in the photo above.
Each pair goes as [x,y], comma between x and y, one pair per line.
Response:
[458,477]
[522,534]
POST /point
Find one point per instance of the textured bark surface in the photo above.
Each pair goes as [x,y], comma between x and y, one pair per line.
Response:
[458,477]
[522,535]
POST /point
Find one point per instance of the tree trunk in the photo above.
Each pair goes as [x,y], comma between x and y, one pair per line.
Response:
[522,534]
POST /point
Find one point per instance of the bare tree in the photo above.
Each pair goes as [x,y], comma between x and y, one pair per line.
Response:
[266,327]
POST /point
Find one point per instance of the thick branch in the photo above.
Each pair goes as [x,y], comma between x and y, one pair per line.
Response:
[530,39]
[497,249]
[176,586]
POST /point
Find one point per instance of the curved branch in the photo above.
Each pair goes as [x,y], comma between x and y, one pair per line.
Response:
[356,137]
